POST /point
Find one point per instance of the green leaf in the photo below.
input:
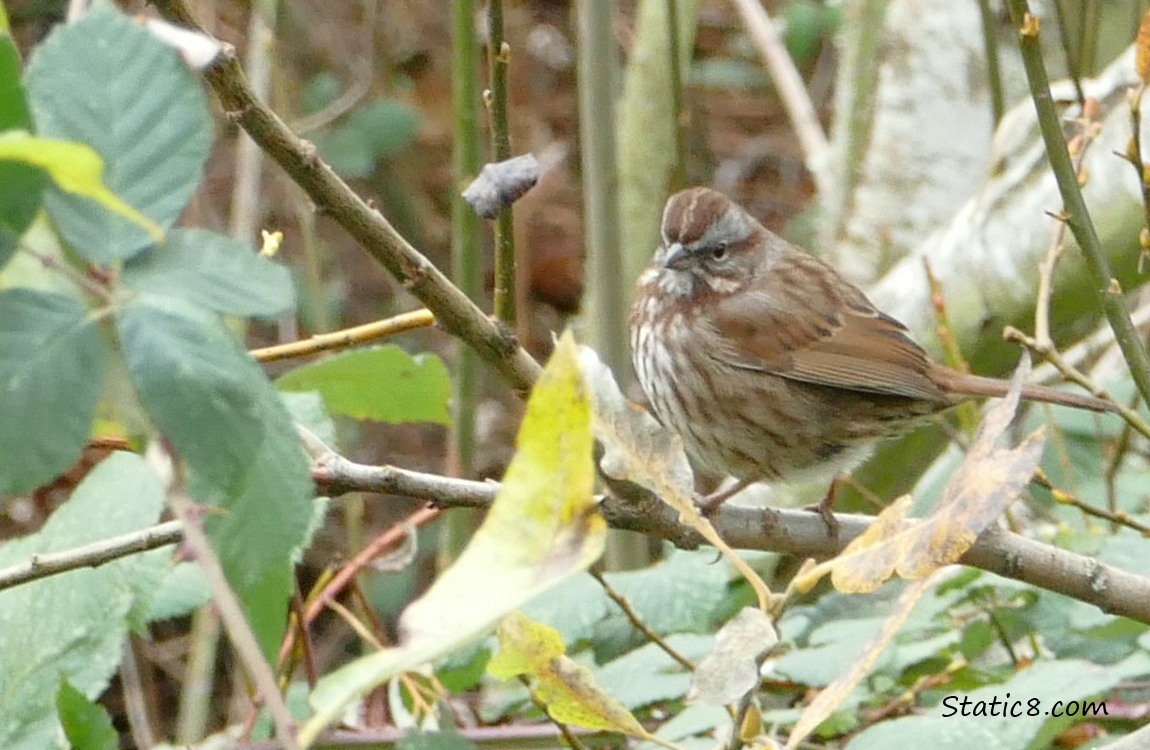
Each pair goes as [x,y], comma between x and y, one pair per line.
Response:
[21,186]
[542,528]
[264,520]
[683,593]
[76,168]
[223,416]
[21,193]
[51,365]
[383,383]
[86,724]
[320,90]
[183,590]
[648,675]
[106,82]
[415,740]
[73,624]
[214,271]
[391,125]
[1045,682]
[197,383]
[14,114]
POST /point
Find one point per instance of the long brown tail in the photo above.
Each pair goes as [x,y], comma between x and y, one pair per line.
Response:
[975,385]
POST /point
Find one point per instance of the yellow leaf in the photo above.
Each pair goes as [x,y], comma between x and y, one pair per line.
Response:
[543,526]
[74,167]
[566,689]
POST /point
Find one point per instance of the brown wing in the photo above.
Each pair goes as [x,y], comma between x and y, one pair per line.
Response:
[822,333]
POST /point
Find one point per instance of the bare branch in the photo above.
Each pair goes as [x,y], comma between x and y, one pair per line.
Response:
[91,555]
[795,532]
[452,309]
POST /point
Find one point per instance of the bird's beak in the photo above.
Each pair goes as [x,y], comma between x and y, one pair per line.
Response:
[676,257]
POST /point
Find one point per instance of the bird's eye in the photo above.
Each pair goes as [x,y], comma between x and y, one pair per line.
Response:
[719,251]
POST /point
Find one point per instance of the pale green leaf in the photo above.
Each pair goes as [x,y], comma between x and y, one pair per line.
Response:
[106,82]
[384,383]
[215,272]
[73,624]
[197,383]
[51,364]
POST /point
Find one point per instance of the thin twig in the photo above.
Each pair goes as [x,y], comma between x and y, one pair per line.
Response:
[91,555]
[135,697]
[804,119]
[353,622]
[993,66]
[678,177]
[198,684]
[1073,56]
[348,337]
[1065,498]
[453,310]
[605,307]
[1134,156]
[236,623]
[364,73]
[498,60]
[1081,144]
[1106,287]
[1074,375]
[633,616]
[466,266]
[245,214]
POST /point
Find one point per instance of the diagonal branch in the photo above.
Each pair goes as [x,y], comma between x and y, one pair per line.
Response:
[457,314]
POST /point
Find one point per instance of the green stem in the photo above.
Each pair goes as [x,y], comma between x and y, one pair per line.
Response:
[498,59]
[993,68]
[1088,44]
[1073,56]
[466,261]
[1107,288]
[608,289]
[678,178]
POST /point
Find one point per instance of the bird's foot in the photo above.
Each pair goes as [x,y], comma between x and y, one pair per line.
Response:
[709,504]
[826,509]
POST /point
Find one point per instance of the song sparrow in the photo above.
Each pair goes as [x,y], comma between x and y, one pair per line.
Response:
[769,364]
